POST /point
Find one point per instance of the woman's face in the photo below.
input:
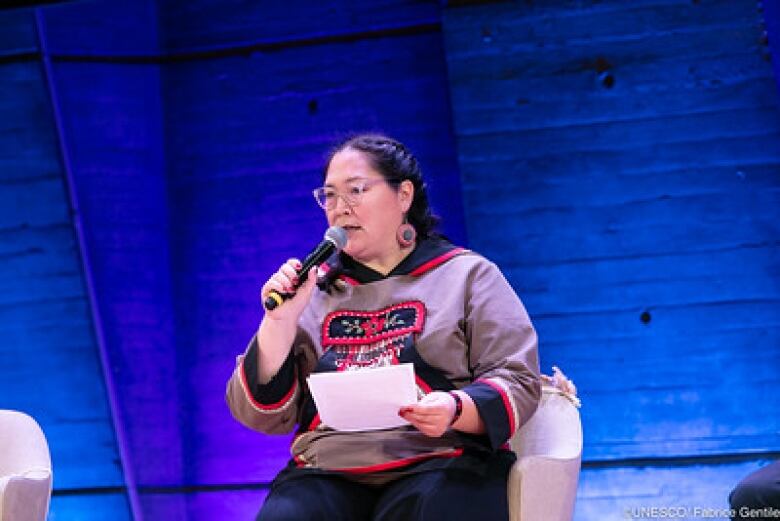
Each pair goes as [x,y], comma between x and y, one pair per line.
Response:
[372,223]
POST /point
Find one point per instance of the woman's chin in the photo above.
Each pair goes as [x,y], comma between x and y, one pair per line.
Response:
[350,249]
[355,251]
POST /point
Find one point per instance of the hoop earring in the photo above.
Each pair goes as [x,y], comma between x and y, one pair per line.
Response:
[406,234]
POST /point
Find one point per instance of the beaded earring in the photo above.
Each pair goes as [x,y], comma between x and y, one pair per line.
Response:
[406,234]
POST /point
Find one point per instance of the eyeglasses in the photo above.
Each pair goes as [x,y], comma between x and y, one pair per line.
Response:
[327,196]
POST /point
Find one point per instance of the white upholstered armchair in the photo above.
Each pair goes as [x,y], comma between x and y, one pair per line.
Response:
[25,468]
[543,482]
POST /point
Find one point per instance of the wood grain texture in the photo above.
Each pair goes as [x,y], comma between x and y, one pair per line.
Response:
[194,175]
[205,504]
[203,24]
[112,115]
[89,507]
[98,28]
[686,492]
[49,358]
[246,144]
[18,35]
[630,151]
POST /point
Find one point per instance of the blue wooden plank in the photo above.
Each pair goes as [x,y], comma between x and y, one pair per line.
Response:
[407,62]
[204,24]
[614,136]
[712,151]
[204,505]
[638,219]
[534,111]
[49,360]
[38,202]
[52,342]
[18,34]
[27,144]
[672,280]
[248,141]
[504,27]
[90,507]
[689,493]
[112,116]
[621,232]
[100,28]
[543,189]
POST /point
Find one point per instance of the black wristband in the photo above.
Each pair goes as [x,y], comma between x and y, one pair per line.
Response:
[458,407]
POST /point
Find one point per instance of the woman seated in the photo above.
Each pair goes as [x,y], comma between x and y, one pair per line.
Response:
[397,293]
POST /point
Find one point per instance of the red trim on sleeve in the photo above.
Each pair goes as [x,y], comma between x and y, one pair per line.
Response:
[436,261]
[422,384]
[507,404]
[315,422]
[264,406]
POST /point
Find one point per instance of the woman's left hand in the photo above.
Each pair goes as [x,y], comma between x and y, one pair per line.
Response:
[431,415]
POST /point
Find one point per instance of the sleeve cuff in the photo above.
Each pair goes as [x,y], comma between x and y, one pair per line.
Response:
[278,392]
[495,407]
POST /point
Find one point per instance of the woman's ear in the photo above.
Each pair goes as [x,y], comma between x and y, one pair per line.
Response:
[406,195]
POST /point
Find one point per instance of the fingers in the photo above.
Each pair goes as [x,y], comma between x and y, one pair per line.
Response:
[426,419]
[290,270]
[295,295]
[308,287]
[431,415]
[430,427]
[284,280]
[425,412]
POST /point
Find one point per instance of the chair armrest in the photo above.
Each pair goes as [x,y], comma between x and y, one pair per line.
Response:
[542,484]
[569,396]
[25,498]
[543,489]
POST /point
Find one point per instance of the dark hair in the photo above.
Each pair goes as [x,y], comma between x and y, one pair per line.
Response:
[396,164]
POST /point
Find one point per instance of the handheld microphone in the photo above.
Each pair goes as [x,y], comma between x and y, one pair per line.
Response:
[335,239]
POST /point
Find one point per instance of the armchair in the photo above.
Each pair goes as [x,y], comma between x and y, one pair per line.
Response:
[542,484]
[25,468]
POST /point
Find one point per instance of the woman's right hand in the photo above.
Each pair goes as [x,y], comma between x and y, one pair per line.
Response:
[283,281]
[277,329]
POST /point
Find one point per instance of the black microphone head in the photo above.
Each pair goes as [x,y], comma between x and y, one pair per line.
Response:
[338,236]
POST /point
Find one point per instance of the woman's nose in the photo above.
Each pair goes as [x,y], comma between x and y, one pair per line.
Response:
[345,206]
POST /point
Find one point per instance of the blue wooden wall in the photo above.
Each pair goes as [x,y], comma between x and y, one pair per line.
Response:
[618,160]
[630,151]
[194,134]
[49,358]
[246,133]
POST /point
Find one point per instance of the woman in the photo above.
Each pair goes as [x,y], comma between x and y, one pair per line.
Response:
[398,293]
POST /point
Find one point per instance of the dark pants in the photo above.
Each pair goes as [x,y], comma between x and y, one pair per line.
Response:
[431,496]
[759,490]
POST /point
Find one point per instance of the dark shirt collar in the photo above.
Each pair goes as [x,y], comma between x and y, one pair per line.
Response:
[428,254]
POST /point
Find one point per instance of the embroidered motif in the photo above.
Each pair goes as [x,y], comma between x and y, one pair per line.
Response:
[361,339]
[367,327]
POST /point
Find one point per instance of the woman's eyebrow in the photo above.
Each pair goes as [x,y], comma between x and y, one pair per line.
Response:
[349,180]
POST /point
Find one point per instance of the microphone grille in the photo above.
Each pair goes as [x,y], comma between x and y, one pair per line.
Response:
[338,235]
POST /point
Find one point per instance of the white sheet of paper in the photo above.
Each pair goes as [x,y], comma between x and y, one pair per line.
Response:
[365,399]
